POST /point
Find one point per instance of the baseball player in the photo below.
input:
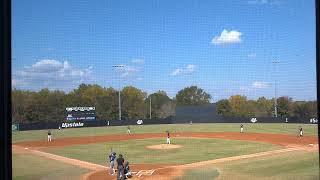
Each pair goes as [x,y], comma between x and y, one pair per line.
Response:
[49,136]
[241,128]
[129,131]
[112,158]
[120,167]
[168,138]
[301,132]
[127,171]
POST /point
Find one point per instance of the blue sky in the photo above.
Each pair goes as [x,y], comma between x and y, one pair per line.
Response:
[224,47]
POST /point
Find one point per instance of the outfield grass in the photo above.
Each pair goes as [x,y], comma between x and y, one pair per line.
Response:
[31,167]
[135,151]
[218,127]
[292,165]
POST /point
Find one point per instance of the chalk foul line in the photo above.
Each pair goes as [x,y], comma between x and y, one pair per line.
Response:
[97,167]
[232,158]
[74,162]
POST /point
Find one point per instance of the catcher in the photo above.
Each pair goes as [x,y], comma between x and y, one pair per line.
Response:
[127,171]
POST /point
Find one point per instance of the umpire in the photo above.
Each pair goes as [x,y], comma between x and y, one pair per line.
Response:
[120,167]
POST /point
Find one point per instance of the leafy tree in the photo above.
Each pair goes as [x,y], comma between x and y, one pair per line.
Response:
[132,103]
[192,96]
[46,105]
[161,105]
[107,104]
[240,106]
[283,104]
[223,107]
[303,109]
[19,104]
[264,107]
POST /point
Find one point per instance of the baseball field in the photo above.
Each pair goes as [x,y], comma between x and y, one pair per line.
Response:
[197,151]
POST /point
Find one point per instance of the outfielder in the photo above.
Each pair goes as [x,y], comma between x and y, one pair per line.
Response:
[241,128]
[49,136]
[168,138]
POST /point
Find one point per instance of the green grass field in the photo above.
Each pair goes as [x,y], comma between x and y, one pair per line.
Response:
[290,166]
[294,165]
[32,167]
[223,127]
[135,151]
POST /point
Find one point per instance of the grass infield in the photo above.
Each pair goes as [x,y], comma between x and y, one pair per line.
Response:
[135,151]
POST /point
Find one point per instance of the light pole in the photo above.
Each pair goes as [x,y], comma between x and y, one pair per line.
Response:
[275,89]
[119,67]
[150,107]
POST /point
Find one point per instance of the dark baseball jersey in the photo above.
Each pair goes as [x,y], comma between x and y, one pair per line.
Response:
[120,161]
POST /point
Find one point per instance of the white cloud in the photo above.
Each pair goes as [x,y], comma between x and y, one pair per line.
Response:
[137,61]
[52,74]
[260,85]
[189,69]
[227,37]
[252,55]
[127,71]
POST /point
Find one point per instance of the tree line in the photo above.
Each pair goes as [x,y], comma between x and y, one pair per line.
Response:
[48,106]
[240,106]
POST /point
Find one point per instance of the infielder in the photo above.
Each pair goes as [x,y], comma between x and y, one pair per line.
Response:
[49,136]
[112,158]
[129,131]
[301,132]
[168,138]
[241,128]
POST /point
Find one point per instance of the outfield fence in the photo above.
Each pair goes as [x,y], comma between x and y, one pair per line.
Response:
[169,120]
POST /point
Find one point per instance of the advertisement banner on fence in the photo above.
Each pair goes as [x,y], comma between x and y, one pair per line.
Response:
[71,125]
[15,127]
[314,121]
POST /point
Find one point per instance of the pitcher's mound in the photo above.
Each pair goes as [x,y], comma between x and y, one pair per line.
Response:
[164,146]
